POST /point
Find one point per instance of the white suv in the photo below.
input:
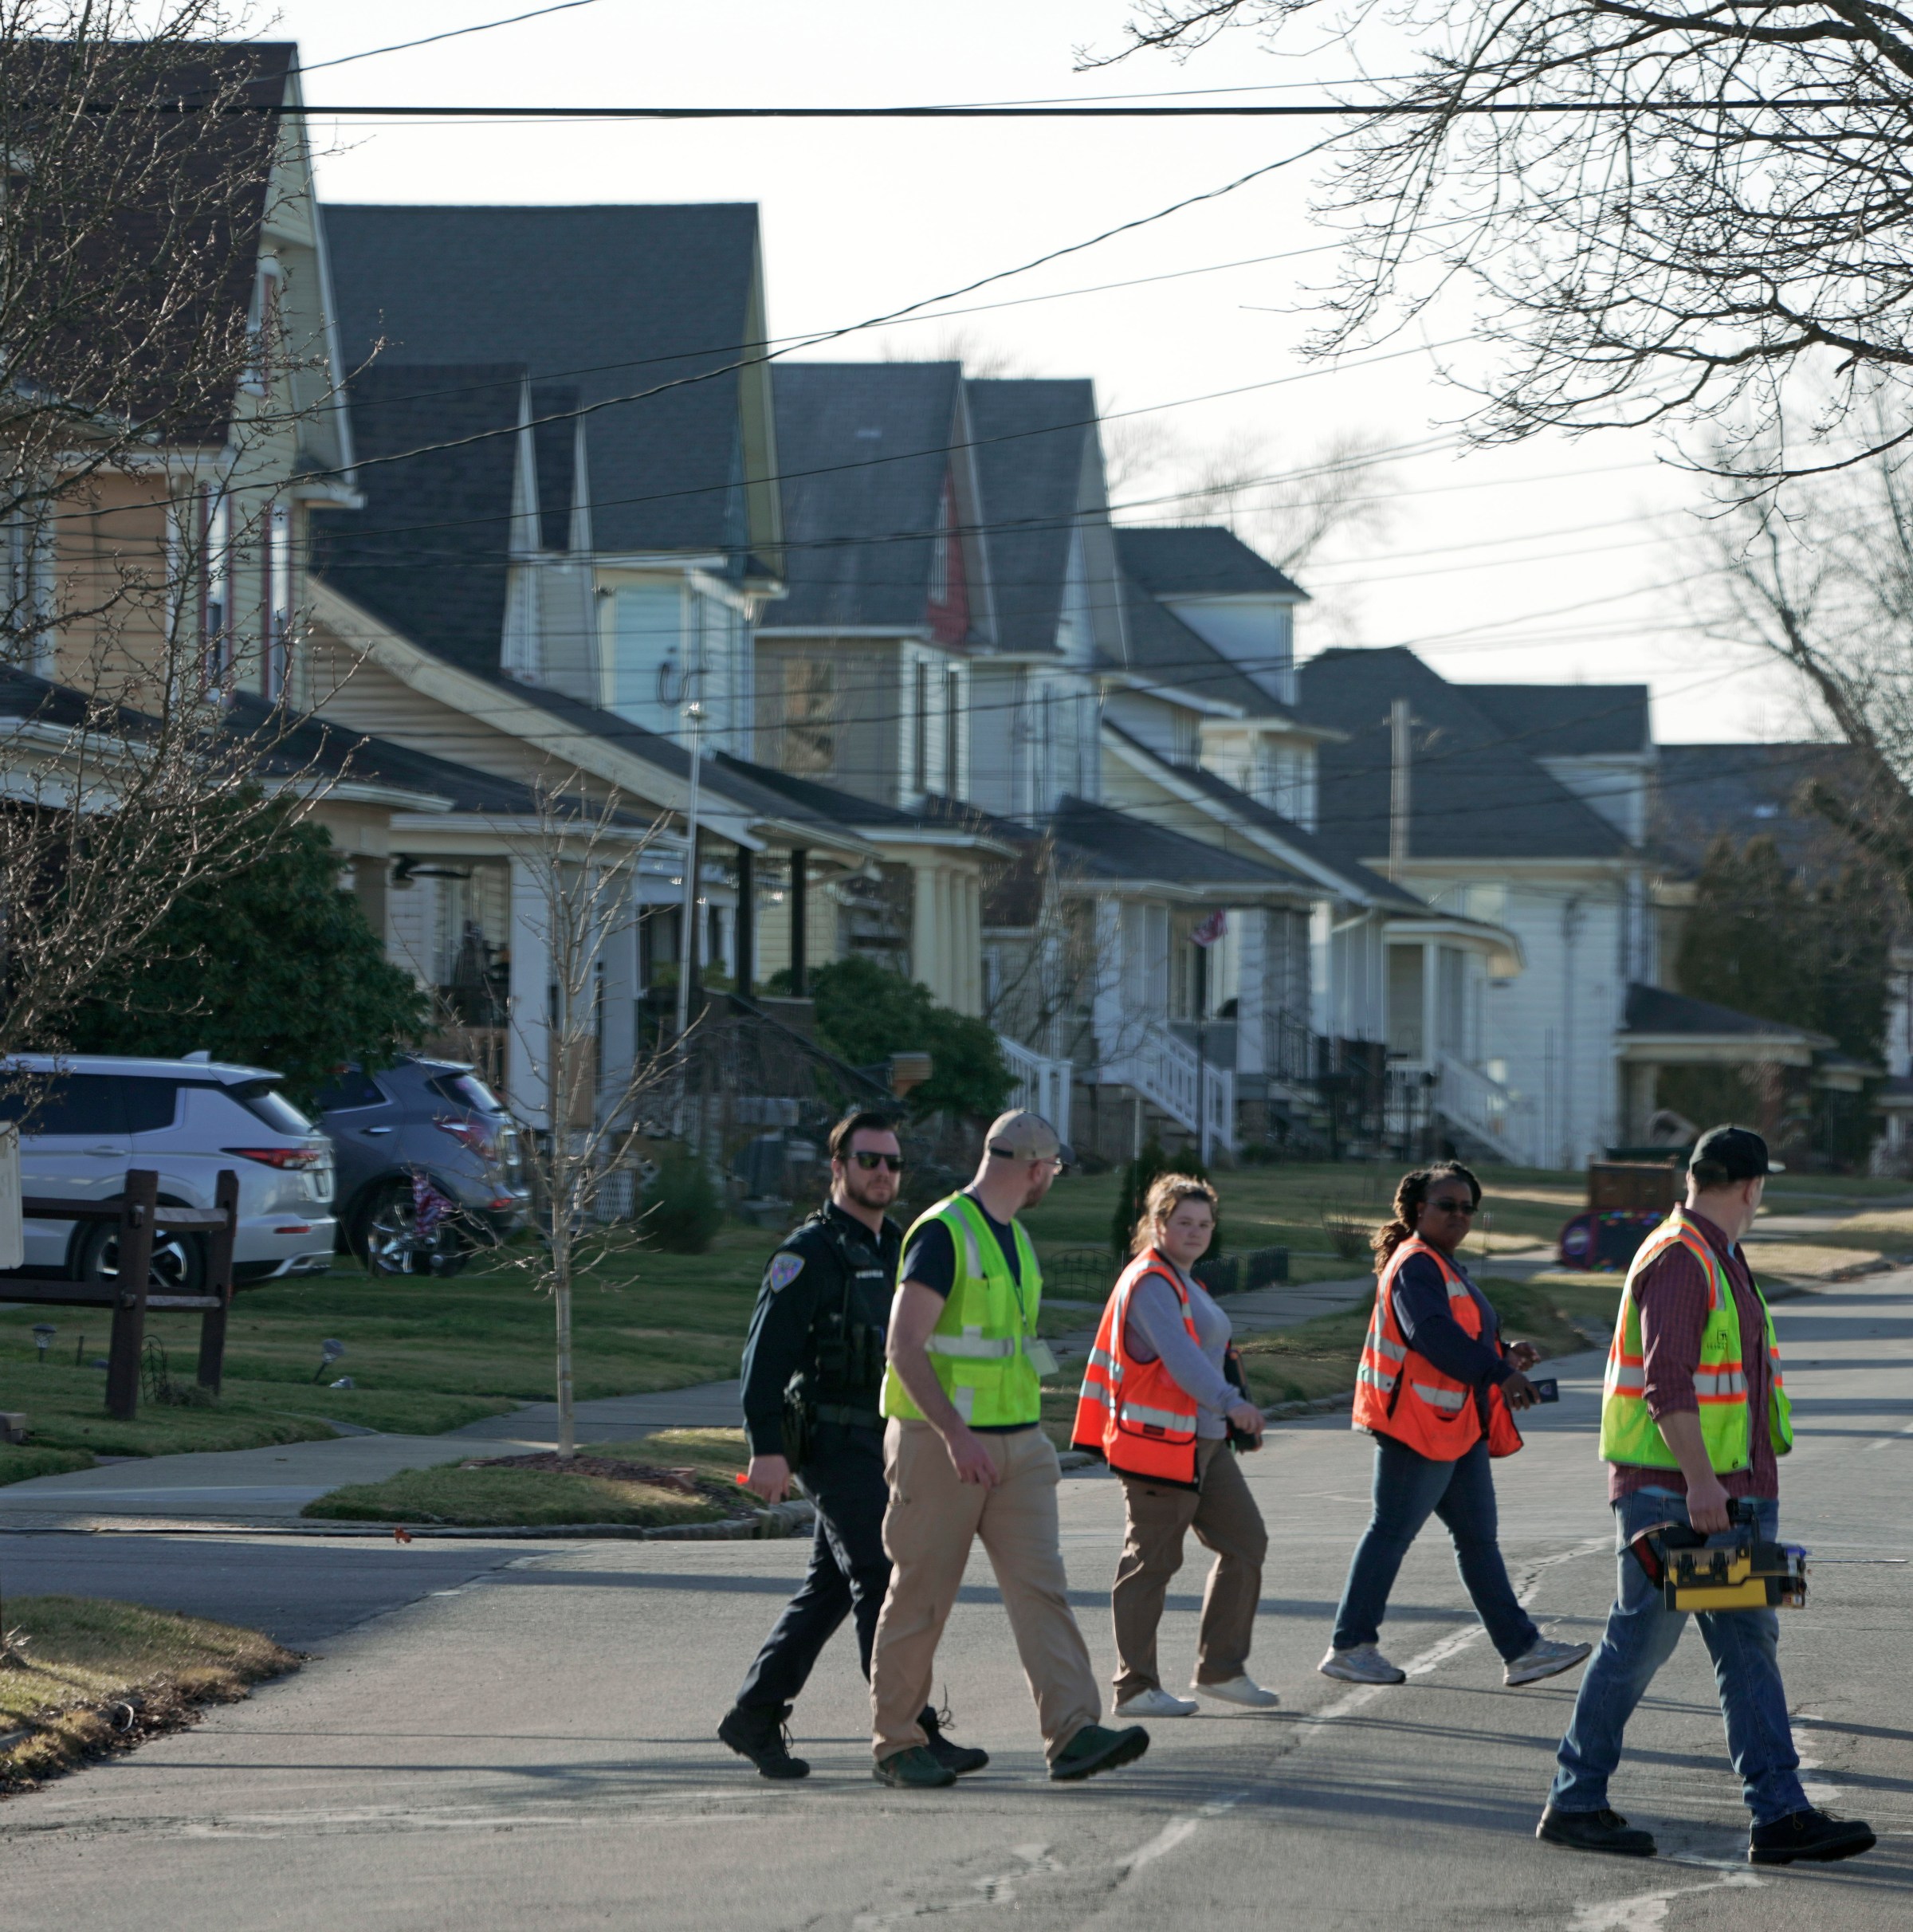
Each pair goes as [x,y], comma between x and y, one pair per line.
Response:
[86,1118]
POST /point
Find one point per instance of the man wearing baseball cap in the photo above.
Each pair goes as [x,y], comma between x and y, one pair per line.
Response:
[965,1459]
[1693,1413]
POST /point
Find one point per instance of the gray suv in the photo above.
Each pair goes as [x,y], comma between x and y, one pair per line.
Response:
[429,1166]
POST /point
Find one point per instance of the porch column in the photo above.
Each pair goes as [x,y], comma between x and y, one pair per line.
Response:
[800,919]
[1110,969]
[1430,1003]
[528,1034]
[1251,990]
[1638,1080]
[618,954]
[746,938]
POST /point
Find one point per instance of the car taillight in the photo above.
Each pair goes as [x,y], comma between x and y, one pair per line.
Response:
[282,1157]
[477,1137]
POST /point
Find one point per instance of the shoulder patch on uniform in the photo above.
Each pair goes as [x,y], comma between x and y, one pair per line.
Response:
[783,1269]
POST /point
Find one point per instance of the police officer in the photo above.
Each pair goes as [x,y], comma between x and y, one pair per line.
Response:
[813,1375]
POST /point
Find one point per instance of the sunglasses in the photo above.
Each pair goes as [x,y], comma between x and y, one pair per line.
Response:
[870,1163]
[1446,1206]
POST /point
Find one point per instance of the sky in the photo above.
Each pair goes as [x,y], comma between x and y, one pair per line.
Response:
[1555,561]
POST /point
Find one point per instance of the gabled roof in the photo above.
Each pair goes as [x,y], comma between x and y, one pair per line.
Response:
[1569,721]
[1199,561]
[1031,436]
[863,448]
[1476,791]
[617,300]
[1362,882]
[1702,792]
[1165,655]
[1119,846]
[428,553]
[942,819]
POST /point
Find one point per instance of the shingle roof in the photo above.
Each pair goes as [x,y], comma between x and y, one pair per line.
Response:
[614,299]
[1163,651]
[1119,845]
[863,448]
[1569,721]
[1702,792]
[1029,436]
[1653,1009]
[1199,561]
[428,553]
[1475,794]
[1367,883]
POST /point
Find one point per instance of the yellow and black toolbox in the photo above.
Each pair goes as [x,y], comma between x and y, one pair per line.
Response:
[1737,1571]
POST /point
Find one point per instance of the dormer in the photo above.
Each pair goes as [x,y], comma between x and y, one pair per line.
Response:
[1237,602]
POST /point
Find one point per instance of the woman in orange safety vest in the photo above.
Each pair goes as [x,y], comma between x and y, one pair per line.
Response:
[1158,1405]
[1435,1388]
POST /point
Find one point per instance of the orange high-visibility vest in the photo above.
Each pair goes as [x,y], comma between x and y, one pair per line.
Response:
[1401,1394]
[1135,1415]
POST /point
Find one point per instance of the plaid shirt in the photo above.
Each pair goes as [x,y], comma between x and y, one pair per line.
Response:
[1672,1295]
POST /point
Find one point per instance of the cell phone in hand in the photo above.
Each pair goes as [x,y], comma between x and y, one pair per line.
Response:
[1546,1391]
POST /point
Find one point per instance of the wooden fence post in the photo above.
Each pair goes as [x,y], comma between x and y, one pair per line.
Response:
[136,1258]
[219,1281]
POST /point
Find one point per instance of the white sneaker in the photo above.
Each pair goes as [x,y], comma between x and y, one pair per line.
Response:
[1243,1690]
[1545,1659]
[1363,1664]
[1157,1703]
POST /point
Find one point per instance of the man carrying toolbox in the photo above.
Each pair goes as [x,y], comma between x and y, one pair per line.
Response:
[1693,1413]
[965,1459]
[813,1370]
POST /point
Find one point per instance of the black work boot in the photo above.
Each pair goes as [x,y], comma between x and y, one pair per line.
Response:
[1814,1836]
[757,1732]
[960,1758]
[1604,1830]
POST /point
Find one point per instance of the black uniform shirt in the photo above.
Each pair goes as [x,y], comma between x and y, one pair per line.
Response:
[803,1285]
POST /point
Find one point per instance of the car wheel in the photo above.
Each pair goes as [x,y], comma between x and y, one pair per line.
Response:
[385,1237]
[179,1264]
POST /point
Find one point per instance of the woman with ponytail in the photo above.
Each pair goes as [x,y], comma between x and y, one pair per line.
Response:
[1435,1389]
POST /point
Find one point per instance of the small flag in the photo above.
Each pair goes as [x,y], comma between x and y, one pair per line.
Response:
[1212,928]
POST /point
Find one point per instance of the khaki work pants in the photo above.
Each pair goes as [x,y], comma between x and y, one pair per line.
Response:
[1224,1516]
[931,1521]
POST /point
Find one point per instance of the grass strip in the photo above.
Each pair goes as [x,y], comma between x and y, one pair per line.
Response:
[83,1676]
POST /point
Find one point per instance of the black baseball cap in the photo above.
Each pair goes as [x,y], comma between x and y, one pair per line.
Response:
[1740,1150]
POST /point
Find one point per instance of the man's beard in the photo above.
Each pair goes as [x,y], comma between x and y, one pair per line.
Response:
[860,1190]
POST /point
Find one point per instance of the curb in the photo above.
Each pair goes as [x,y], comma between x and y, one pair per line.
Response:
[783,1519]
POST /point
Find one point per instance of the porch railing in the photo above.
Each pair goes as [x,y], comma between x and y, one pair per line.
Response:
[1167,1074]
[1490,1111]
[1043,1084]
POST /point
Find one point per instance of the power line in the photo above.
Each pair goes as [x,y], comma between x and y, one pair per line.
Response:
[429,39]
[1297,110]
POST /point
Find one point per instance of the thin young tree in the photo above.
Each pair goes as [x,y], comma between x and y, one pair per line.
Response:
[577,862]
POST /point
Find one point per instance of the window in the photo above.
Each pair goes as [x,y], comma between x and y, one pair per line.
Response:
[810,716]
[28,613]
[76,1104]
[468,1090]
[921,758]
[150,1105]
[348,1090]
[1405,1028]
[266,1104]
[214,537]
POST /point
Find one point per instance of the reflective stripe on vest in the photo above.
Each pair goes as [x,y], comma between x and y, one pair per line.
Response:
[1134,1414]
[1629,1434]
[1402,1394]
[977,1349]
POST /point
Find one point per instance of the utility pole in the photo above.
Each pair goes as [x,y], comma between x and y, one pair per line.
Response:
[1401,751]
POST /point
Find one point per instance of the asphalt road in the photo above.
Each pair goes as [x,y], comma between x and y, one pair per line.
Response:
[535,1743]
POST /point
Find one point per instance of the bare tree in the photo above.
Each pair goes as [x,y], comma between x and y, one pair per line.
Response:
[1664,213]
[151,398]
[580,859]
[1824,581]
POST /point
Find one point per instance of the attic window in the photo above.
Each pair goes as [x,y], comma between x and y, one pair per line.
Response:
[869,434]
[1766,810]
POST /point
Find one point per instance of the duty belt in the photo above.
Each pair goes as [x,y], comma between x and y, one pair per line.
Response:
[848,1418]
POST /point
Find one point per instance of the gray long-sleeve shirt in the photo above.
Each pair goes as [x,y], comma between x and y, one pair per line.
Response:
[1155,1333]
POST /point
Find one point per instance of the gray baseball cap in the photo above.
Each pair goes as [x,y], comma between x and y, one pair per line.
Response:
[1020,1136]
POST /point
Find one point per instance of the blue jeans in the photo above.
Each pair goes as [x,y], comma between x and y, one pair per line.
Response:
[1641,1637]
[1409,1489]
